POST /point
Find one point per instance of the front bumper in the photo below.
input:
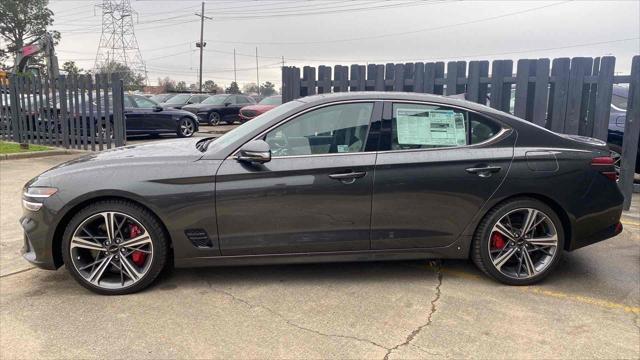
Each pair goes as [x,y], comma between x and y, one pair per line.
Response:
[37,247]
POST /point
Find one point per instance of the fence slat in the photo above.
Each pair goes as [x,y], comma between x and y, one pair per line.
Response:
[64,113]
[541,93]
[560,70]
[99,115]
[92,113]
[580,67]
[631,133]
[82,85]
[603,97]
[522,88]
[398,77]
[358,79]
[592,99]
[40,117]
[324,79]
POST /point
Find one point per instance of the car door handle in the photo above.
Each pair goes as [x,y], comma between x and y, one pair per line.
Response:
[484,171]
[348,175]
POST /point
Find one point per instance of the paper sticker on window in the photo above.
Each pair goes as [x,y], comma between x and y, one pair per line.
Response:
[430,127]
[343,148]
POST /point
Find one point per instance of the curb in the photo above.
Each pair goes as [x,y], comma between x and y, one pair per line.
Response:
[37,154]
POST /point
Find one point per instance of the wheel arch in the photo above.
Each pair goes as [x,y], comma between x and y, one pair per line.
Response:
[553,204]
[58,233]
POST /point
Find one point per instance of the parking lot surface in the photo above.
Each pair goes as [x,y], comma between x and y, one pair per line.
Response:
[589,308]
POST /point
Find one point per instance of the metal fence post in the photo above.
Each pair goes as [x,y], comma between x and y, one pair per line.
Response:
[64,115]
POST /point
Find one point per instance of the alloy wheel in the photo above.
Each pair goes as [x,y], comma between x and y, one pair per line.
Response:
[523,243]
[186,127]
[214,118]
[111,250]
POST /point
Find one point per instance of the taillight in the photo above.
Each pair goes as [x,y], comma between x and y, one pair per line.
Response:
[604,164]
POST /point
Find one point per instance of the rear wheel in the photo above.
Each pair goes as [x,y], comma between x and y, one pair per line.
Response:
[214,118]
[519,242]
[114,247]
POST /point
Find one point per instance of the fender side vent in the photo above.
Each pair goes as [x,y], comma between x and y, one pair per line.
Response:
[199,238]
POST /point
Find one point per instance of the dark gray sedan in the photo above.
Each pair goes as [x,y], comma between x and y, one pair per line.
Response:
[342,177]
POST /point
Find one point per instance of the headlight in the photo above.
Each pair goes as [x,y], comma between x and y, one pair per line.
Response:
[36,193]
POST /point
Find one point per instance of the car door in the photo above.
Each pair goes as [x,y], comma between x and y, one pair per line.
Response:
[231,108]
[315,193]
[153,120]
[436,168]
[135,118]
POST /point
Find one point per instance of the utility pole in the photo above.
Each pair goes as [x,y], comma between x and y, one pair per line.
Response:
[257,71]
[235,79]
[201,44]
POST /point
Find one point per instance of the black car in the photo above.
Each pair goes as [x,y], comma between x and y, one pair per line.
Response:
[179,100]
[337,177]
[145,116]
[220,108]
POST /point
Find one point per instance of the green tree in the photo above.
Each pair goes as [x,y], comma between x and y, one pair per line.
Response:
[131,79]
[268,89]
[210,86]
[233,88]
[24,21]
[250,88]
[181,86]
[71,68]
[168,84]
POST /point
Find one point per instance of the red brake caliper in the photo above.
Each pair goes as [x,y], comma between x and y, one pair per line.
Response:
[497,240]
[137,256]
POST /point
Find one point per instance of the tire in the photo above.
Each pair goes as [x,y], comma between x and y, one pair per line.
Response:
[186,128]
[491,252]
[110,281]
[215,119]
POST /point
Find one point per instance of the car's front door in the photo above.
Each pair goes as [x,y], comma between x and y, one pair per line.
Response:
[436,168]
[135,118]
[153,120]
[231,109]
[315,193]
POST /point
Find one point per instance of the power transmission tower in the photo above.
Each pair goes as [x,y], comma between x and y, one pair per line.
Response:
[118,44]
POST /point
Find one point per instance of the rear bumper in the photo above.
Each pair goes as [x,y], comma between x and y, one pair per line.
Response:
[601,235]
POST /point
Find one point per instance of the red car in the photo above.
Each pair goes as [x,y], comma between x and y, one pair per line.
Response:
[249,112]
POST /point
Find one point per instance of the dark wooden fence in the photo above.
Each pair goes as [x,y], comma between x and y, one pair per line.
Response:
[571,96]
[75,112]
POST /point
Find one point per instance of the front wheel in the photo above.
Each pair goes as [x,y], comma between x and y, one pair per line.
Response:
[186,128]
[519,242]
[114,247]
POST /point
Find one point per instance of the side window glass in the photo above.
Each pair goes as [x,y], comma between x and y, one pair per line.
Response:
[128,102]
[144,102]
[418,126]
[233,99]
[482,129]
[332,129]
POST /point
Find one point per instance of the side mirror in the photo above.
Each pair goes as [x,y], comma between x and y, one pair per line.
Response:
[157,108]
[227,104]
[255,152]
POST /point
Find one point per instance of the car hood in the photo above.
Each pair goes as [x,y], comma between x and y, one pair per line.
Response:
[128,158]
[260,108]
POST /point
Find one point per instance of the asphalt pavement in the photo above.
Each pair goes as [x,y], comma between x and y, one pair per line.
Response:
[589,308]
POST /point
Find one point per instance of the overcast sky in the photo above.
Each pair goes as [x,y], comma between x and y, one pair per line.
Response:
[346,32]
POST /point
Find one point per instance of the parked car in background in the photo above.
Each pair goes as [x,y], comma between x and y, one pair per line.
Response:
[160,98]
[145,116]
[617,119]
[220,108]
[180,100]
[266,104]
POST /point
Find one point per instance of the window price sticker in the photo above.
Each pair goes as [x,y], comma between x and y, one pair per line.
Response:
[430,127]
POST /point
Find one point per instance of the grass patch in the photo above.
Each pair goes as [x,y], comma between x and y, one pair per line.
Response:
[12,148]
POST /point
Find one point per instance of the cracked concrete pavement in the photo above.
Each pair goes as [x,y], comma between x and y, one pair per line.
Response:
[590,308]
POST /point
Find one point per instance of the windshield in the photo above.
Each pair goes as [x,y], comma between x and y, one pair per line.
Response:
[160,97]
[215,100]
[179,99]
[271,100]
[250,126]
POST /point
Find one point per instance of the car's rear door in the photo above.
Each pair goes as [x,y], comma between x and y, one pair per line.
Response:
[436,168]
[315,193]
